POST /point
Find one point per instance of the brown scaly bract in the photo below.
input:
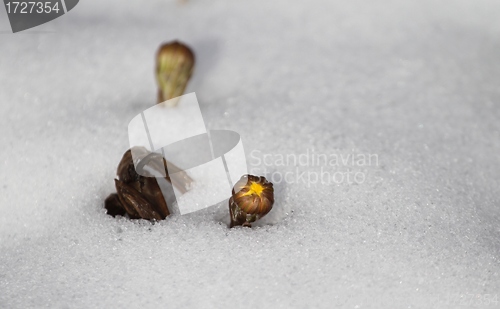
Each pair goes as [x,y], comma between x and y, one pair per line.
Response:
[139,196]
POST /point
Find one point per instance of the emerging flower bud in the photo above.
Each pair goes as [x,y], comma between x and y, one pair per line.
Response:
[174,66]
[140,196]
[253,198]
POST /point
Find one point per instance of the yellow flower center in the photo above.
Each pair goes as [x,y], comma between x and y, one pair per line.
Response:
[255,188]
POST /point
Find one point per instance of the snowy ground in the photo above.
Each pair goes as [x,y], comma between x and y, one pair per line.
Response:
[415,83]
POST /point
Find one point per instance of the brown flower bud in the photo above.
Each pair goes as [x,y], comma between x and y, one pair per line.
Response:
[252,199]
[174,66]
[140,196]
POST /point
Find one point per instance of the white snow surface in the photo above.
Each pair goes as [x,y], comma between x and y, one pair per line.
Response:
[414,82]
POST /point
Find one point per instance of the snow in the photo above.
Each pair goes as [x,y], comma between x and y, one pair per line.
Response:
[413,82]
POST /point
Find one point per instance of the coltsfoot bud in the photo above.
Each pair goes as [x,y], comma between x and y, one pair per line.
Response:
[174,66]
[140,195]
[252,198]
